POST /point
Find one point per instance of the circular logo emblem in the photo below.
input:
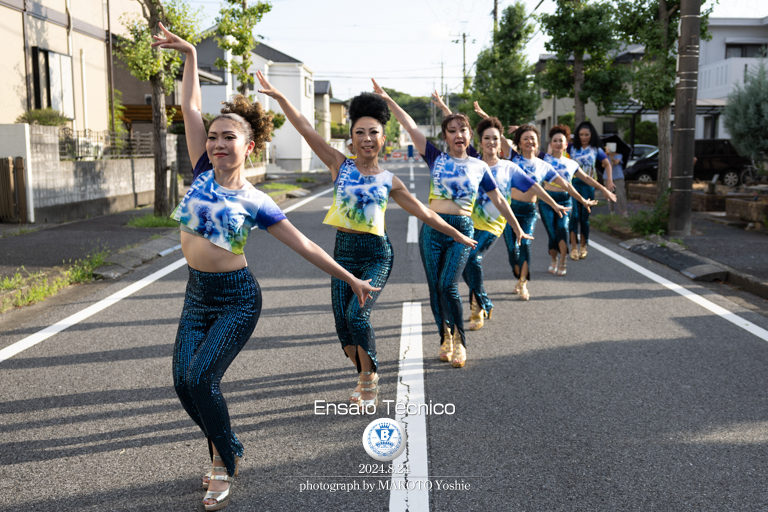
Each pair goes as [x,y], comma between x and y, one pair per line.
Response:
[384,439]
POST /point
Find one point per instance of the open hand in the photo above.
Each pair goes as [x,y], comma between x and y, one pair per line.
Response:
[523,236]
[465,240]
[171,42]
[562,210]
[611,196]
[512,129]
[363,290]
[266,87]
[437,100]
[379,90]
[480,111]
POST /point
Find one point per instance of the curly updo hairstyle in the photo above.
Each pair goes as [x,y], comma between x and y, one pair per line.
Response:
[489,122]
[368,104]
[521,130]
[561,128]
[254,122]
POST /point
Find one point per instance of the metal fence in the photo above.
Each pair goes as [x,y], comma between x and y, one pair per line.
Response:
[89,144]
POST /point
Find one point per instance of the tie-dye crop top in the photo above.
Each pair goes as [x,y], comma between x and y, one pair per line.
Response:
[565,167]
[224,216]
[485,215]
[587,158]
[456,179]
[535,168]
[359,201]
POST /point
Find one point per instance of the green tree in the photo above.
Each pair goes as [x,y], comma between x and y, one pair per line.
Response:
[583,41]
[418,107]
[569,119]
[235,27]
[160,68]
[653,24]
[647,132]
[501,84]
[746,114]
[392,131]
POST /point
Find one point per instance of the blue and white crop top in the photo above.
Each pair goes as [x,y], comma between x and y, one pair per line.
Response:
[485,215]
[536,168]
[223,216]
[565,167]
[587,158]
[456,179]
[359,201]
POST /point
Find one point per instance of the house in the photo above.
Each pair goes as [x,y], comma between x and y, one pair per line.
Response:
[323,95]
[292,77]
[56,54]
[338,111]
[724,60]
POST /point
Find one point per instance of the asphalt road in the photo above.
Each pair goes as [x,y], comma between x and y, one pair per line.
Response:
[607,391]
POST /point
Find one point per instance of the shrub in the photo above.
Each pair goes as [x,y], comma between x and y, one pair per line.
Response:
[44,117]
[653,222]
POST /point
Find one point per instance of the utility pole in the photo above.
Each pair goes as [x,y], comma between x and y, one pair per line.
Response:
[681,177]
[495,16]
[463,40]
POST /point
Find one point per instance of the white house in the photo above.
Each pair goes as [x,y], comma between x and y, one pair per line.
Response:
[723,61]
[291,76]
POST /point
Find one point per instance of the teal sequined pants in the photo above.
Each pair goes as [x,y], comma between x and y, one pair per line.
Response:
[557,227]
[220,313]
[520,253]
[473,272]
[444,260]
[365,256]
[579,214]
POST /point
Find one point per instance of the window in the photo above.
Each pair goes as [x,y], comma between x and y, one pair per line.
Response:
[610,127]
[147,99]
[53,82]
[745,50]
[308,87]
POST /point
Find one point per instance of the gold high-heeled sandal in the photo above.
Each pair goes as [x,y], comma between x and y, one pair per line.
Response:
[583,252]
[459,356]
[446,349]
[219,468]
[372,387]
[575,254]
[477,317]
[221,497]
[524,295]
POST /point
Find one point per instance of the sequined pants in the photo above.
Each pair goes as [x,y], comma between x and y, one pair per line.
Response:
[364,256]
[557,227]
[579,215]
[473,272]
[220,312]
[520,253]
[444,260]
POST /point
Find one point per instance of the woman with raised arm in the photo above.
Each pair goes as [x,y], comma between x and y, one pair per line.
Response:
[223,301]
[455,180]
[360,194]
[557,228]
[587,151]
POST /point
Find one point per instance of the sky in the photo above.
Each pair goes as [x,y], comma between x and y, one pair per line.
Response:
[403,45]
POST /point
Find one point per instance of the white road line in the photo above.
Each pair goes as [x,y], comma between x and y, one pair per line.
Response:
[410,390]
[411,172]
[413,231]
[698,299]
[46,333]
[413,185]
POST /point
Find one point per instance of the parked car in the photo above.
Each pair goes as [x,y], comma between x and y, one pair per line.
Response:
[639,151]
[713,157]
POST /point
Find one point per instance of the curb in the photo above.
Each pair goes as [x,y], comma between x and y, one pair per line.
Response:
[123,262]
[694,266]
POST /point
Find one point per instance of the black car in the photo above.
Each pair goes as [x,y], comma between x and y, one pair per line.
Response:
[713,157]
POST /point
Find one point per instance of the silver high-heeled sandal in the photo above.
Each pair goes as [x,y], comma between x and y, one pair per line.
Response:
[221,497]
[219,468]
[355,396]
[369,386]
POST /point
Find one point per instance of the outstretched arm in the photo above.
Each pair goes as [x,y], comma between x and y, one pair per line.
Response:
[413,206]
[506,144]
[191,97]
[544,196]
[568,187]
[608,173]
[437,100]
[330,156]
[501,204]
[310,251]
[594,183]
[407,122]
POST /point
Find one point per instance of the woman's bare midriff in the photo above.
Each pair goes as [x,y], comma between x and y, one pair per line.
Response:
[447,207]
[553,188]
[345,230]
[204,256]
[524,197]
